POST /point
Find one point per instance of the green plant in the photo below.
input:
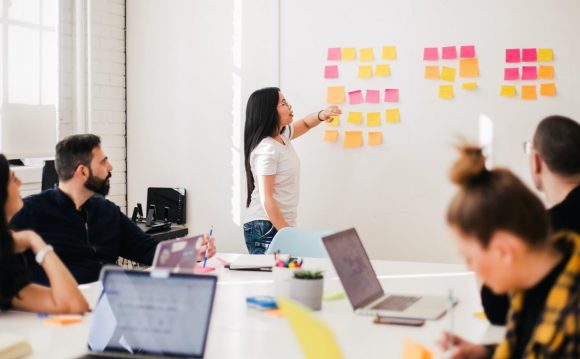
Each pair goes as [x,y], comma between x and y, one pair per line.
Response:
[308,274]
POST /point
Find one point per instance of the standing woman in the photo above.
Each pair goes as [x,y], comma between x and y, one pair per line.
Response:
[63,295]
[272,166]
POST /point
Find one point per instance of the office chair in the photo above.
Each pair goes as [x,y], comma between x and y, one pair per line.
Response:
[299,242]
[49,176]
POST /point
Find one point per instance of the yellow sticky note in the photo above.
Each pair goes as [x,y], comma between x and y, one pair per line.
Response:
[432,72]
[355,117]
[389,53]
[546,72]
[393,115]
[375,138]
[548,89]
[314,336]
[373,119]
[545,55]
[367,54]
[335,121]
[330,136]
[348,53]
[365,71]
[508,91]
[414,350]
[529,92]
[468,68]
[353,139]
[335,95]
[446,92]
[469,85]
[480,315]
[383,70]
[448,74]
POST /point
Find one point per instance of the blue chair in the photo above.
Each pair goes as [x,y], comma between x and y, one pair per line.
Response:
[299,242]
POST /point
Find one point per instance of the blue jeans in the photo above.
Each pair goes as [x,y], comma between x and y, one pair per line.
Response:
[258,235]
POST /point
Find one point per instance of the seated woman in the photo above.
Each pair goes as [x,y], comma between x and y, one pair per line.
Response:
[501,228]
[63,295]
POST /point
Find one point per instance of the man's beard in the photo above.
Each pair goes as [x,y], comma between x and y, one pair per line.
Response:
[98,185]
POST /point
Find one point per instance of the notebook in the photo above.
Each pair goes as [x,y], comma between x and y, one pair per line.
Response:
[13,346]
[153,314]
[179,255]
[364,290]
[253,262]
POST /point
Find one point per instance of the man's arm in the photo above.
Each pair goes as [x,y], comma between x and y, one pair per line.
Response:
[135,244]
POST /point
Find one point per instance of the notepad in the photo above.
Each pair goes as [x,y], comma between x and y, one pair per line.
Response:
[253,262]
[13,346]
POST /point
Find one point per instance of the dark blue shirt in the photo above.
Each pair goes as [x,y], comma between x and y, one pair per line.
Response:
[86,239]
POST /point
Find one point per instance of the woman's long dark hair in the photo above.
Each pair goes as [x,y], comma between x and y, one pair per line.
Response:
[261,121]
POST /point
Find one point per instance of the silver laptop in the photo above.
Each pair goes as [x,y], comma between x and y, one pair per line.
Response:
[178,255]
[364,289]
[151,315]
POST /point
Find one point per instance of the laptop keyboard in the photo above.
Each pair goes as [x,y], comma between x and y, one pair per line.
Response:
[396,303]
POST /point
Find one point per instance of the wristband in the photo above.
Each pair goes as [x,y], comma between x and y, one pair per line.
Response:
[42,253]
[319,119]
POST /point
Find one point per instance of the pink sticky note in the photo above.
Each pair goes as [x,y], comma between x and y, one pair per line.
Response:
[331,72]
[510,74]
[391,95]
[529,73]
[355,97]
[373,96]
[529,55]
[334,53]
[449,52]
[512,55]
[467,52]
[430,54]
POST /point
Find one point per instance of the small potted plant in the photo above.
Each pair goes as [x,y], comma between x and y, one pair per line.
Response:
[306,287]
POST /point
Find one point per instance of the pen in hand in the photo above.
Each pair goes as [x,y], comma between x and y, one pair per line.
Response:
[207,247]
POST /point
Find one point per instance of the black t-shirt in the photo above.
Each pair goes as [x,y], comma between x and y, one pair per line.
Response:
[12,280]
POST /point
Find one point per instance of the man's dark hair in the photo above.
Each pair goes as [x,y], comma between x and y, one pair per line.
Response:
[73,151]
[557,141]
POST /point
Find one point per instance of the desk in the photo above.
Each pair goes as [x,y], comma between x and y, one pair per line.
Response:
[176,231]
[239,332]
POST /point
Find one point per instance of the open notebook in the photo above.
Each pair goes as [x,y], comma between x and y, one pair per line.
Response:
[255,262]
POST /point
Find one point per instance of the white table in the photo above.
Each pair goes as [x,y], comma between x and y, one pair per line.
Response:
[239,332]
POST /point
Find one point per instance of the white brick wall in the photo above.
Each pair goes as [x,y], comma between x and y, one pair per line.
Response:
[107,104]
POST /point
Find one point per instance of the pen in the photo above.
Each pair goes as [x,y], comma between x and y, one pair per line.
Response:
[207,247]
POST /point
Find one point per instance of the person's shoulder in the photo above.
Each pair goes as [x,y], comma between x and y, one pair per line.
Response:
[102,202]
[43,197]
[266,146]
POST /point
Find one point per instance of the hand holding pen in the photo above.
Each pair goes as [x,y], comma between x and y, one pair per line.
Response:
[207,245]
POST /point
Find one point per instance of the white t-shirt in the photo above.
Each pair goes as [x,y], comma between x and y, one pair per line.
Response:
[271,157]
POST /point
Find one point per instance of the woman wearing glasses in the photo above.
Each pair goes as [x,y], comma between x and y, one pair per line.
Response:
[272,165]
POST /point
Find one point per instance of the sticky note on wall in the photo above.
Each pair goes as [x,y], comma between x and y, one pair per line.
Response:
[430,54]
[545,55]
[511,74]
[449,53]
[448,74]
[393,115]
[432,72]
[375,138]
[365,71]
[389,53]
[512,55]
[383,70]
[469,85]
[467,52]
[548,89]
[372,96]
[529,92]
[529,55]
[330,136]
[334,54]
[335,121]
[367,54]
[446,92]
[354,118]
[468,68]
[546,72]
[355,97]
[353,139]
[391,95]
[331,72]
[507,91]
[335,94]
[529,73]
[348,53]
[373,119]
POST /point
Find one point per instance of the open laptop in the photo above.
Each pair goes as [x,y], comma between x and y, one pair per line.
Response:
[364,290]
[179,255]
[153,314]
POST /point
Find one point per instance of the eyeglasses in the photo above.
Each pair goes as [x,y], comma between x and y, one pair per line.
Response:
[527,147]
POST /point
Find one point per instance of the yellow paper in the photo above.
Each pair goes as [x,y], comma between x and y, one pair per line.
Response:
[353,139]
[355,117]
[545,55]
[375,138]
[365,71]
[373,119]
[414,350]
[446,92]
[335,95]
[348,53]
[448,74]
[469,85]
[548,89]
[314,336]
[335,121]
[383,70]
[529,92]
[468,68]
[389,53]
[480,315]
[546,72]
[330,136]
[367,54]
[393,115]
[432,72]
[508,91]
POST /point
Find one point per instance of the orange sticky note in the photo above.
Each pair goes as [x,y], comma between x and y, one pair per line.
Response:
[393,115]
[546,72]
[375,138]
[348,53]
[432,72]
[389,53]
[508,91]
[63,320]
[446,92]
[548,89]
[335,121]
[414,350]
[383,70]
[469,85]
[355,118]
[330,136]
[448,74]
[335,95]
[545,55]
[353,139]
[529,92]
[367,54]
[468,68]
[365,71]
[373,119]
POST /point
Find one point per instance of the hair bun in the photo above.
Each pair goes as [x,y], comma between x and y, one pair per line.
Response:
[469,166]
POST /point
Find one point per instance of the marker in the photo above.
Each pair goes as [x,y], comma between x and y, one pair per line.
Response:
[207,247]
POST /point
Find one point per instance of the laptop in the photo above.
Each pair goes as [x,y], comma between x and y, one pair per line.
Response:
[154,314]
[178,255]
[364,290]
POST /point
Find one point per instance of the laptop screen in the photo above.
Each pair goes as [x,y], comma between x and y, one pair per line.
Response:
[179,254]
[144,313]
[353,267]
